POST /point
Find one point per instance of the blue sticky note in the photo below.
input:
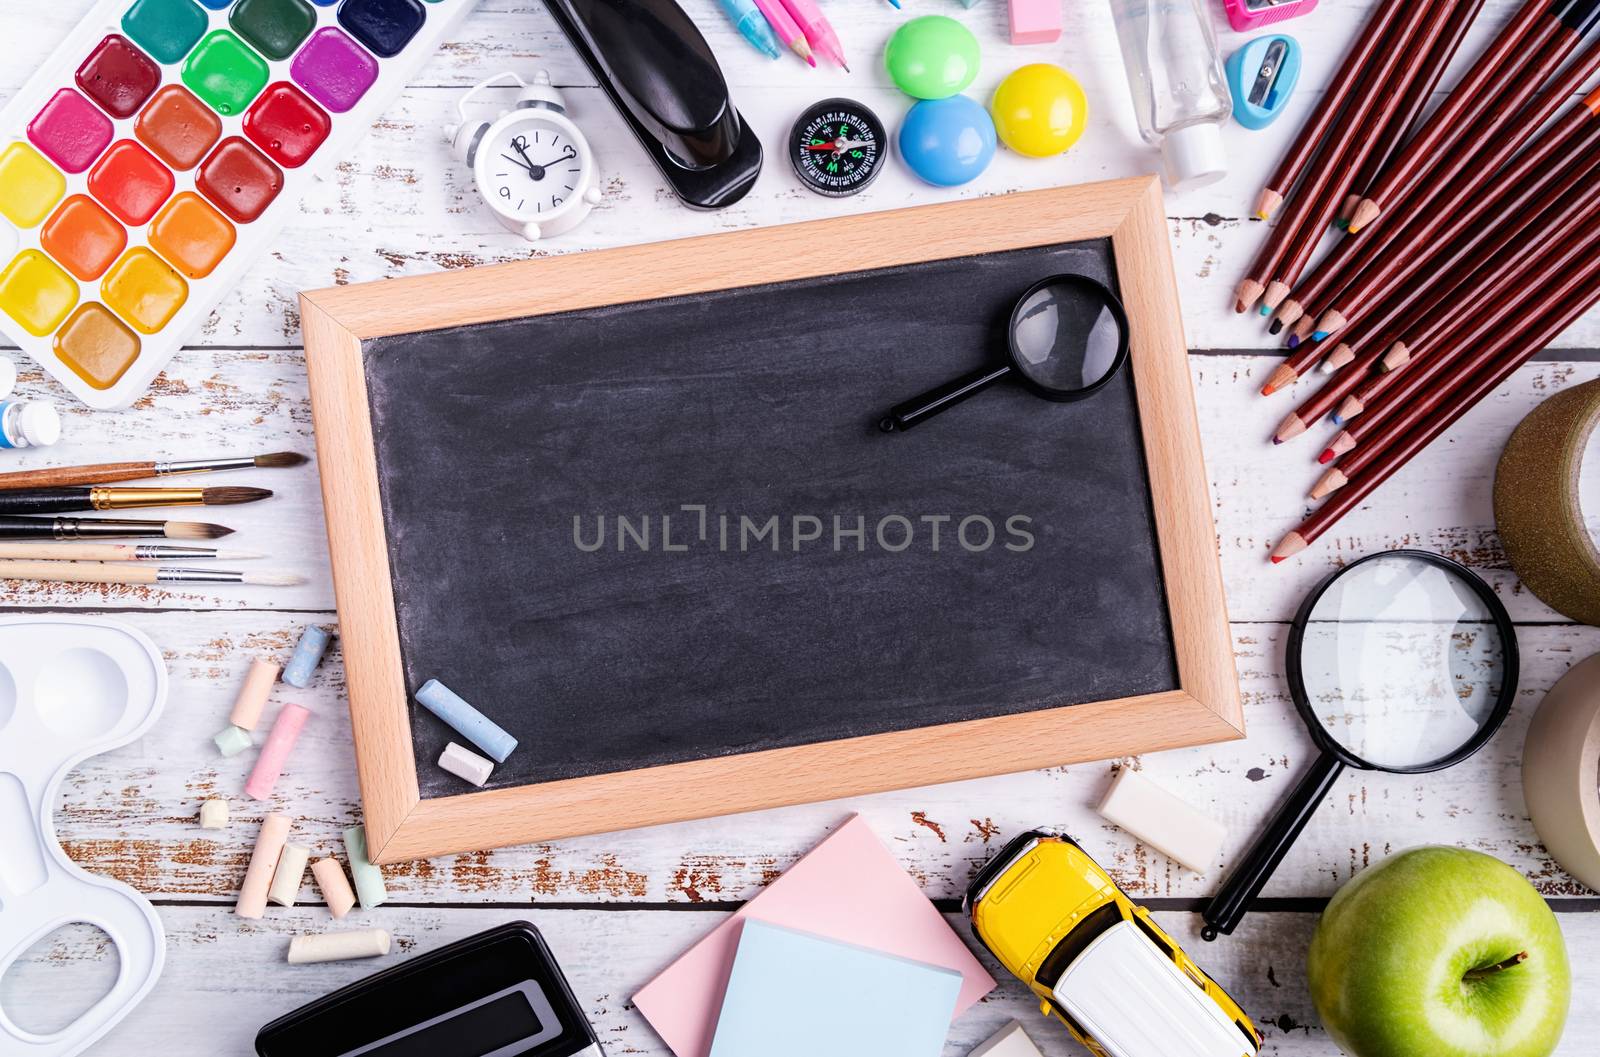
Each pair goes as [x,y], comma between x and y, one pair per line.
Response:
[792,994]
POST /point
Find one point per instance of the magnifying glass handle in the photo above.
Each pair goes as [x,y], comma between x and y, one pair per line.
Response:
[921,408]
[1226,909]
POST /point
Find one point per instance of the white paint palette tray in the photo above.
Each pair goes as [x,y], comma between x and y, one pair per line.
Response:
[70,688]
[161,150]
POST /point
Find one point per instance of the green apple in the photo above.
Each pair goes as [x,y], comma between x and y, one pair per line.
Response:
[1440,952]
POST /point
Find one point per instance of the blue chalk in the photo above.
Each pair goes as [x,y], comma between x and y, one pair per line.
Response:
[466,720]
[307,655]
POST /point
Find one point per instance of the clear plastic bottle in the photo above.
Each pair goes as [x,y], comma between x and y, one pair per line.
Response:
[1180,95]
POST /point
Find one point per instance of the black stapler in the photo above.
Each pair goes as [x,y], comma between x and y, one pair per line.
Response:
[658,70]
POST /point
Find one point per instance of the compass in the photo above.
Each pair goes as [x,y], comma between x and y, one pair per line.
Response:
[837,147]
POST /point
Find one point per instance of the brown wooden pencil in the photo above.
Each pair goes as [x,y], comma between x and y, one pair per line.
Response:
[1307,142]
[1503,76]
[1459,203]
[1359,358]
[1408,116]
[1397,281]
[1424,422]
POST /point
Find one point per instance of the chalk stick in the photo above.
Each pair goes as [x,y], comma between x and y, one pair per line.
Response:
[307,655]
[466,720]
[253,694]
[214,814]
[263,862]
[1009,1041]
[338,946]
[285,888]
[335,889]
[368,878]
[275,753]
[1163,821]
[1034,21]
[232,740]
[466,764]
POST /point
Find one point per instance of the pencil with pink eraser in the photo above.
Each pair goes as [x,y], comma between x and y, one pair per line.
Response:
[786,28]
[818,30]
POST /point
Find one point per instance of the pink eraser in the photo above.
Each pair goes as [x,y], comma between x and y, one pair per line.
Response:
[1034,21]
[275,753]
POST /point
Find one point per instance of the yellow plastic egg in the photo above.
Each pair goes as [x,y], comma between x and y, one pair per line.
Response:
[1039,110]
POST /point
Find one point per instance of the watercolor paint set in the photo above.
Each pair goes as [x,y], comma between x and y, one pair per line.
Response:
[160,150]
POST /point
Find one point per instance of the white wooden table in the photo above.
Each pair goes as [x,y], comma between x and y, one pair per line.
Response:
[619,907]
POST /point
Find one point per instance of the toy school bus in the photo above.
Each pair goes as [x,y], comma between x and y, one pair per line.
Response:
[1098,963]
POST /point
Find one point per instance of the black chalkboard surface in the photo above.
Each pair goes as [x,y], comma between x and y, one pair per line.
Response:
[613,530]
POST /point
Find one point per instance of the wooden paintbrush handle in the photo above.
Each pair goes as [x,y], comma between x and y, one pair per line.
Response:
[95,552]
[79,572]
[60,476]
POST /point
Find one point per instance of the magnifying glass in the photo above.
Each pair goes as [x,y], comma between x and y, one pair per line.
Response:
[1403,661]
[1068,336]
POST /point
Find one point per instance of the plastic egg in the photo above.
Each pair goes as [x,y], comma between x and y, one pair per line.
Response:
[932,57]
[1039,110]
[947,142]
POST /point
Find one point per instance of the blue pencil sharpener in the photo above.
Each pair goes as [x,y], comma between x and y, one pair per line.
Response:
[1262,75]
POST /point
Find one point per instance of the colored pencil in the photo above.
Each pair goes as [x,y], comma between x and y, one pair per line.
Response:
[1503,77]
[1499,293]
[114,573]
[1397,280]
[818,30]
[117,552]
[1457,204]
[1408,115]
[1364,469]
[788,31]
[70,500]
[1298,157]
[1360,357]
[112,472]
[1320,193]
[86,528]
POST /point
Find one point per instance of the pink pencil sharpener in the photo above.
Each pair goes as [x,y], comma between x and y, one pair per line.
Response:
[1245,15]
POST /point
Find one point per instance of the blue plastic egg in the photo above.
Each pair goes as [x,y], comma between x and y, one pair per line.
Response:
[947,142]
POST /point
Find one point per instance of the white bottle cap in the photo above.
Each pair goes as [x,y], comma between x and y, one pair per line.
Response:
[1193,156]
[8,376]
[38,424]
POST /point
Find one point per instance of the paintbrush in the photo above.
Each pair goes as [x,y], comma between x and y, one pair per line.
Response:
[83,528]
[118,552]
[68,500]
[110,472]
[114,573]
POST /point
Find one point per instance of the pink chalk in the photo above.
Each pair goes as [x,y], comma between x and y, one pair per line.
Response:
[275,753]
[253,694]
[335,888]
[263,861]
[1034,21]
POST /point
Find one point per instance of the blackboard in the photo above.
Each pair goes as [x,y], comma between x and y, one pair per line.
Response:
[634,506]
[600,655]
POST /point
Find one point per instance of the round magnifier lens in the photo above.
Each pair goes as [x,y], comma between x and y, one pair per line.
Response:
[1068,336]
[1402,662]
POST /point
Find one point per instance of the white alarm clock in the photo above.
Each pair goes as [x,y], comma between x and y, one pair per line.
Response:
[531,164]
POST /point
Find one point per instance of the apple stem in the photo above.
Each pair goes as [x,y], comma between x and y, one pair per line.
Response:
[1489,970]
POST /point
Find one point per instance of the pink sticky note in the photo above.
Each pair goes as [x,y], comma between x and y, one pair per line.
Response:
[847,888]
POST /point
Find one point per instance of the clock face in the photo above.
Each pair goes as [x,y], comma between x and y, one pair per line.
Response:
[531,168]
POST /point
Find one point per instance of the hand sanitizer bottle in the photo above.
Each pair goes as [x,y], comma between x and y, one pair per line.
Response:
[1180,94]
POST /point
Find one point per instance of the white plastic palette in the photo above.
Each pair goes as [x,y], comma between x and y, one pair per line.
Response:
[70,688]
[105,323]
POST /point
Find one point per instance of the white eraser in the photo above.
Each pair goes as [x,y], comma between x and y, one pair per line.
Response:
[214,814]
[1009,1041]
[466,764]
[287,877]
[338,946]
[1163,821]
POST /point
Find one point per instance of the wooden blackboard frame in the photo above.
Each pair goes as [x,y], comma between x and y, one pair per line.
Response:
[401,825]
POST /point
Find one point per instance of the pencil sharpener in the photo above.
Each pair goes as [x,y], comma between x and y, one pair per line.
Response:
[1262,75]
[1245,15]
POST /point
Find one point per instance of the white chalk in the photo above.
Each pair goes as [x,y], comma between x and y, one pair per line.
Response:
[466,764]
[214,814]
[335,889]
[467,721]
[338,946]
[287,877]
[1009,1041]
[263,863]
[232,740]
[368,878]
[1163,821]
[253,694]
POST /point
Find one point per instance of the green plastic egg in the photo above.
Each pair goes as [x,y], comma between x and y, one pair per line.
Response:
[932,57]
